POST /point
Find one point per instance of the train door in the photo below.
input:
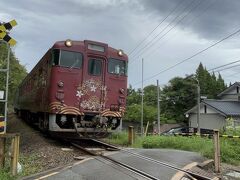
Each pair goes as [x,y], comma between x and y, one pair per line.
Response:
[93,85]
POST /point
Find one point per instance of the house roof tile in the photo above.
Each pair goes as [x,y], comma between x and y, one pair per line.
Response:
[229,108]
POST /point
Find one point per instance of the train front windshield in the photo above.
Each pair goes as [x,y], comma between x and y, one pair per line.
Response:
[67,58]
[117,67]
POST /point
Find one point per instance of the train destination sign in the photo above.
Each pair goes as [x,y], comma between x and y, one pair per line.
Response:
[4,30]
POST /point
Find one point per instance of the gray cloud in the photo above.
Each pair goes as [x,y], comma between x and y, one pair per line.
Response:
[211,19]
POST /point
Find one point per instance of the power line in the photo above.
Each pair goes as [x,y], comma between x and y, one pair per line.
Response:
[194,55]
[232,74]
[140,43]
[223,65]
[228,68]
[174,26]
[191,22]
[172,21]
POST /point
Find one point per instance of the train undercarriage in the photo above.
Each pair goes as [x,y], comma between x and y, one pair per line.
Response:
[90,125]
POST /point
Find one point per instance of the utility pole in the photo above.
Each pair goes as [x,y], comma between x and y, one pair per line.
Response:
[198,112]
[142,104]
[158,108]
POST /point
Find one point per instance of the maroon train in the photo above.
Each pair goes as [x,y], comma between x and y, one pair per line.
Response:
[76,86]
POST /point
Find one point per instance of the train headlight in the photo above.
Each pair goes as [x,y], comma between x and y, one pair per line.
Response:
[114,107]
[120,52]
[68,43]
[114,121]
[63,119]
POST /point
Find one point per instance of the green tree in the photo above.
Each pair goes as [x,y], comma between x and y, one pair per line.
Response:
[150,95]
[133,113]
[134,97]
[210,85]
[220,84]
[178,97]
[16,74]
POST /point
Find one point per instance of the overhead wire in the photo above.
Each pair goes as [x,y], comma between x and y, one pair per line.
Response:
[149,34]
[170,23]
[174,26]
[192,56]
[194,19]
[150,53]
[212,69]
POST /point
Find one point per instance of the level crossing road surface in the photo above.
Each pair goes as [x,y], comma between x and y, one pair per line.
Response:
[100,169]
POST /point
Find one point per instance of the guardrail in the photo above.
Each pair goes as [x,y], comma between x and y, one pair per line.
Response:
[206,135]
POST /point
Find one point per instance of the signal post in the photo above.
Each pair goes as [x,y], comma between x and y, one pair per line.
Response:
[14,150]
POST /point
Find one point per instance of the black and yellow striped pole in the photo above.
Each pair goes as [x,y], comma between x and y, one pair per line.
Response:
[2,124]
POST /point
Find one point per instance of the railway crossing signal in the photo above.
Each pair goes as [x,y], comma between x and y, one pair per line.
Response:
[4,36]
[4,28]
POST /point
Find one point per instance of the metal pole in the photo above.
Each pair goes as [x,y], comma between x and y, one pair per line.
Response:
[158,108]
[198,113]
[2,151]
[142,103]
[6,92]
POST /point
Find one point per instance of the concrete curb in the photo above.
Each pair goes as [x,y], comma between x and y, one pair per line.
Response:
[206,164]
[179,175]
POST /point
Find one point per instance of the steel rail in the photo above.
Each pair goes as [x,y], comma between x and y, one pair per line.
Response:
[132,169]
[156,161]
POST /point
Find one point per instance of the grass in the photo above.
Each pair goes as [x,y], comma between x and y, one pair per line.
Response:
[230,151]
[28,168]
[28,165]
[232,131]
[5,175]
[118,138]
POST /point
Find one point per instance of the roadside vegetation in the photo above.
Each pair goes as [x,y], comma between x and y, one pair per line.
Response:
[230,151]
[16,75]
[177,97]
[5,175]
[27,167]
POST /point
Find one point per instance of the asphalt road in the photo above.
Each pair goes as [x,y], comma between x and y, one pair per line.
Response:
[99,169]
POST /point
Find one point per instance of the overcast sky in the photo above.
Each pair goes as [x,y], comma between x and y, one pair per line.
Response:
[190,26]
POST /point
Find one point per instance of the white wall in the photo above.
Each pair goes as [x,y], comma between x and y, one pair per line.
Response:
[208,121]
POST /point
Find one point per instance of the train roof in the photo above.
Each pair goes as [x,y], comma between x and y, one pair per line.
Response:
[84,45]
[81,45]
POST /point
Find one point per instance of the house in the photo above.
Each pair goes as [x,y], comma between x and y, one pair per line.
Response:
[217,113]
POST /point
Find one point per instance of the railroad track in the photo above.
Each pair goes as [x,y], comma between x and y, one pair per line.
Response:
[108,147]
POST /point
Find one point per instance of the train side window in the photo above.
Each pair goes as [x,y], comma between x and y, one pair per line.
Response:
[55,56]
[95,67]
